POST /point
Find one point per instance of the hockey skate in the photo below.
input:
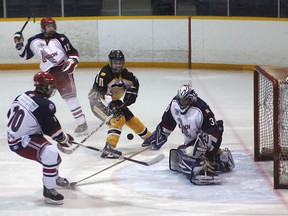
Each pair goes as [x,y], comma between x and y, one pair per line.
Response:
[110,152]
[52,196]
[81,130]
[62,182]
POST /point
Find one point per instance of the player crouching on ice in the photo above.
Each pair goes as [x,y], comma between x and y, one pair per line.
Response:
[200,158]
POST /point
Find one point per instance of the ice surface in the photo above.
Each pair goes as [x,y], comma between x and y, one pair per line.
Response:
[133,189]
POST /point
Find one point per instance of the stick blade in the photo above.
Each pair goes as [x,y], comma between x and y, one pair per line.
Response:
[156,160]
[72,185]
[69,150]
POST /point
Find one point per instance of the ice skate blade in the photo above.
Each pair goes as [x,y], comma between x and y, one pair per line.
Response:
[84,133]
[53,202]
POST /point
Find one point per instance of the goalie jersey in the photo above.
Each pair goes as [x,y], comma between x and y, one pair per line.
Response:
[197,117]
[31,113]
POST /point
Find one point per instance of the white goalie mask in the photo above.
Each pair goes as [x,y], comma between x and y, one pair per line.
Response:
[186,96]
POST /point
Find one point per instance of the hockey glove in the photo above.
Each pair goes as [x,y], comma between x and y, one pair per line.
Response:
[116,108]
[70,65]
[18,40]
[66,140]
[130,96]
[157,139]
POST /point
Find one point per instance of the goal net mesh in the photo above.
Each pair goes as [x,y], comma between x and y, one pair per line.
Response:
[271,120]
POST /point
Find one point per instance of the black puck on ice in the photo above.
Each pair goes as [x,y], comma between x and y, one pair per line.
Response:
[130,136]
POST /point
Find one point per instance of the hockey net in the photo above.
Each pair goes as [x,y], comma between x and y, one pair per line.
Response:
[271,120]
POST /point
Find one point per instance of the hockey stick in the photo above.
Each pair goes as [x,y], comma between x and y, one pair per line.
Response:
[28,19]
[73,184]
[149,163]
[70,151]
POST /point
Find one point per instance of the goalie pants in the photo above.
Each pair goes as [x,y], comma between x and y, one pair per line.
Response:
[41,150]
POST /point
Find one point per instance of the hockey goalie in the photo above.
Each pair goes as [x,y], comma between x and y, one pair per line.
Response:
[200,158]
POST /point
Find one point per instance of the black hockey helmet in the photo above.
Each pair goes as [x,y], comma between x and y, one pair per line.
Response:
[116,61]
[186,96]
[45,83]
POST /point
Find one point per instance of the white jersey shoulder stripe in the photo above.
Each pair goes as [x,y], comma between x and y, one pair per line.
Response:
[27,102]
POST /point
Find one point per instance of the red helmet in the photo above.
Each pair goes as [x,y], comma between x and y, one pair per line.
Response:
[47,20]
[43,78]
[44,83]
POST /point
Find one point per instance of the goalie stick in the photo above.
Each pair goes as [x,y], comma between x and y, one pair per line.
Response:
[149,163]
[70,151]
[73,184]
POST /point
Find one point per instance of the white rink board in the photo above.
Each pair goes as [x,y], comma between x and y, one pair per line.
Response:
[261,42]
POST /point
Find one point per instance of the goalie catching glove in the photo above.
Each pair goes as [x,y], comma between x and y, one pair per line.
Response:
[70,65]
[18,40]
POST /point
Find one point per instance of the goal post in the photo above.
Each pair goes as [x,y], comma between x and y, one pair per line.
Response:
[271,120]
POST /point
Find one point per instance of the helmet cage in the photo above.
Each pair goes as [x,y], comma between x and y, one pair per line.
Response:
[186,96]
[117,66]
[116,61]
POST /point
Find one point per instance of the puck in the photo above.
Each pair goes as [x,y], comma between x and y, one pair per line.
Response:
[130,136]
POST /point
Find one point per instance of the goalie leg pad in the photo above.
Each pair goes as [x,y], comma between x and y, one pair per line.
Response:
[198,171]
[174,161]
[199,147]
[201,175]
[206,178]
[185,161]
[223,160]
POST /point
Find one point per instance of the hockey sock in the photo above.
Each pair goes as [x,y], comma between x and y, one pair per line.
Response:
[76,110]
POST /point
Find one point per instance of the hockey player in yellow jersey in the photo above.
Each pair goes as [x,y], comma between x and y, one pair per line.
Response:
[112,83]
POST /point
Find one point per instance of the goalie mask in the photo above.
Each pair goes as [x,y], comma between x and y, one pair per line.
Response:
[45,84]
[48,26]
[116,61]
[186,96]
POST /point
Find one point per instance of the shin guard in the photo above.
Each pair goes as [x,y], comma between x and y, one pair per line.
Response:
[115,129]
[138,127]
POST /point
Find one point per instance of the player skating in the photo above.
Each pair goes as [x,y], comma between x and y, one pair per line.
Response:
[30,117]
[111,83]
[59,58]
[200,157]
